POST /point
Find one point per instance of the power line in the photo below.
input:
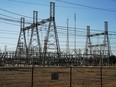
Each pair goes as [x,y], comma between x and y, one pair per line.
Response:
[9,23]
[13,20]
[8,16]
[14,13]
[83,29]
[65,6]
[86,6]
[23,2]
[60,28]
[16,18]
[28,2]
[8,38]
[8,43]
[11,33]
[8,31]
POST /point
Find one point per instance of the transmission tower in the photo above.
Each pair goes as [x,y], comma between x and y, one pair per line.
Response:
[108,51]
[21,44]
[34,48]
[96,50]
[51,42]
[88,43]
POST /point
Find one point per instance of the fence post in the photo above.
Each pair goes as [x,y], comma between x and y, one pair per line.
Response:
[101,66]
[32,73]
[70,76]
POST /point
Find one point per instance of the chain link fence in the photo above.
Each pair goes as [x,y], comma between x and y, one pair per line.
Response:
[57,76]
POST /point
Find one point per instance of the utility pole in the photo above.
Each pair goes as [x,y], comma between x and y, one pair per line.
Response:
[75,31]
[67,44]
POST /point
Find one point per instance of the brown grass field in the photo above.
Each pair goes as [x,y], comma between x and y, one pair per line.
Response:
[81,77]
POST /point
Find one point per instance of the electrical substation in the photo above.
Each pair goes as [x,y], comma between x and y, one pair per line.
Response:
[48,55]
[30,49]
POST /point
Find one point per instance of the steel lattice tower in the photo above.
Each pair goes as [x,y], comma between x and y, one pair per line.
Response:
[106,40]
[51,42]
[88,43]
[97,50]
[21,45]
[34,48]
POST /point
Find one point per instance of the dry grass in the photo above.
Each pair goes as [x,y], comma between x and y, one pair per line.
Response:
[81,77]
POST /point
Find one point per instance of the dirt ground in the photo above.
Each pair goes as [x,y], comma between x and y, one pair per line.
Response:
[43,77]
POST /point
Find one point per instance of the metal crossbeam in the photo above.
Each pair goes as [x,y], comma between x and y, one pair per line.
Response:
[97,34]
[97,45]
[38,23]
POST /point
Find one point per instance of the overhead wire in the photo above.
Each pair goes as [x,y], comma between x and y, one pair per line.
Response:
[14,13]
[8,38]
[82,29]
[9,23]
[23,2]
[9,31]
[28,2]
[71,33]
[86,6]
[13,20]
[44,5]
[8,16]
[6,19]
[62,28]
[31,17]
[7,43]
